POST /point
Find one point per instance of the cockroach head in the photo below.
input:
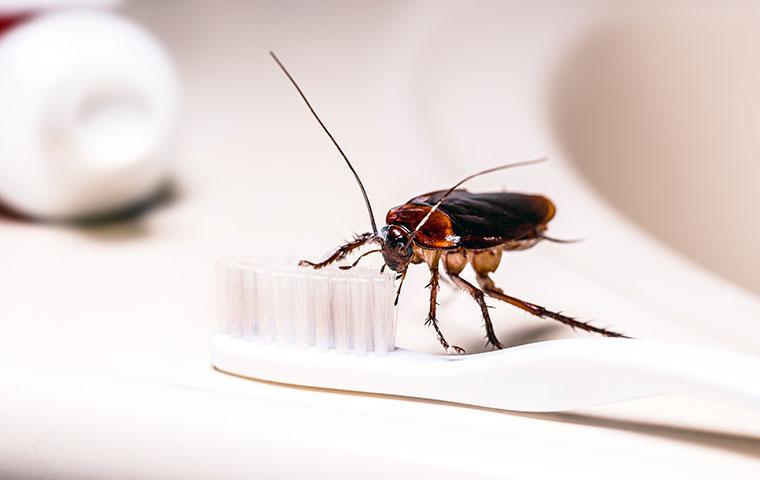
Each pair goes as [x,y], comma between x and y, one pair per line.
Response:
[396,247]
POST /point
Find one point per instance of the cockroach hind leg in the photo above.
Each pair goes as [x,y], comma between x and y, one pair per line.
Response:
[488,286]
[478,296]
[487,343]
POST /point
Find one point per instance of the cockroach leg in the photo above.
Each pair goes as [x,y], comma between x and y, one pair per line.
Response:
[341,253]
[402,277]
[479,298]
[431,318]
[454,263]
[485,262]
[356,262]
[486,283]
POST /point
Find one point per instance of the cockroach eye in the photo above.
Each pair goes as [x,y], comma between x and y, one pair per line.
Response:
[396,237]
[396,250]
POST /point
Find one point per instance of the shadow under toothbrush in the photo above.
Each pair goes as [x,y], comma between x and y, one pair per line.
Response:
[746,445]
[742,444]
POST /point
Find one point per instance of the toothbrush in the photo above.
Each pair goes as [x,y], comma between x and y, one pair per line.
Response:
[335,329]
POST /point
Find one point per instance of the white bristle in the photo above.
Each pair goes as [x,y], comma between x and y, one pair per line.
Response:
[280,302]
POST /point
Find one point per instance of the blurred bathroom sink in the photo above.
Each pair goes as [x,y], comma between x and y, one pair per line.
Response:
[658,108]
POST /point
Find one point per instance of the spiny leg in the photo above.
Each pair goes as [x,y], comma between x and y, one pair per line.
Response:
[356,262]
[479,298]
[486,283]
[454,263]
[340,253]
[433,260]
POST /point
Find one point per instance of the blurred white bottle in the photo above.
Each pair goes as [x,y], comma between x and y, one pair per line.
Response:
[88,110]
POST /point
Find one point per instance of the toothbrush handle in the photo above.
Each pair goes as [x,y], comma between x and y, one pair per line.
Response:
[549,376]
[568,374]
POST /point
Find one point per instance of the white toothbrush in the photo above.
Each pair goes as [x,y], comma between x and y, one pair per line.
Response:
[335,329]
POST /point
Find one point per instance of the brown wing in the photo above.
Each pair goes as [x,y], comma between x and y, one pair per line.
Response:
[476,220]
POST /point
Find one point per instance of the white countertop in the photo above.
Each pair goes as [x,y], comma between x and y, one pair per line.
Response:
[104,366]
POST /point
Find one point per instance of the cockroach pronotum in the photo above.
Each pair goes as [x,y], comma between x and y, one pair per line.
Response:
[455,227]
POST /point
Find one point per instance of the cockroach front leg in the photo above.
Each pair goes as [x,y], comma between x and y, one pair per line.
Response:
[341,253]
[454,263]
[431,318]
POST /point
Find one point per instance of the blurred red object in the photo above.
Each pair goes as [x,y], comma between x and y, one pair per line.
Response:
[8,22]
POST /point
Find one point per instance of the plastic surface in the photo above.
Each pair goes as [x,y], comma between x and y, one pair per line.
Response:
[549,376]
[90,104]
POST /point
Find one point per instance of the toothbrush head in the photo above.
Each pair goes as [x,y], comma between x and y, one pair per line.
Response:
[329,309]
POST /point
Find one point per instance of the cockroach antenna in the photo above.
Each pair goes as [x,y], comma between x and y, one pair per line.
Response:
[340,150]
[459,183]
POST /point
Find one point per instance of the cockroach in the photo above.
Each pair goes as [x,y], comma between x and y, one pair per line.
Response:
[455,227]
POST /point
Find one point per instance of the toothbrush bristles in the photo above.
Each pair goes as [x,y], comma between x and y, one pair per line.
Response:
[280,302]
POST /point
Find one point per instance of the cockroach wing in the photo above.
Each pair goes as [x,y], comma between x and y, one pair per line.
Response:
[475,220]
